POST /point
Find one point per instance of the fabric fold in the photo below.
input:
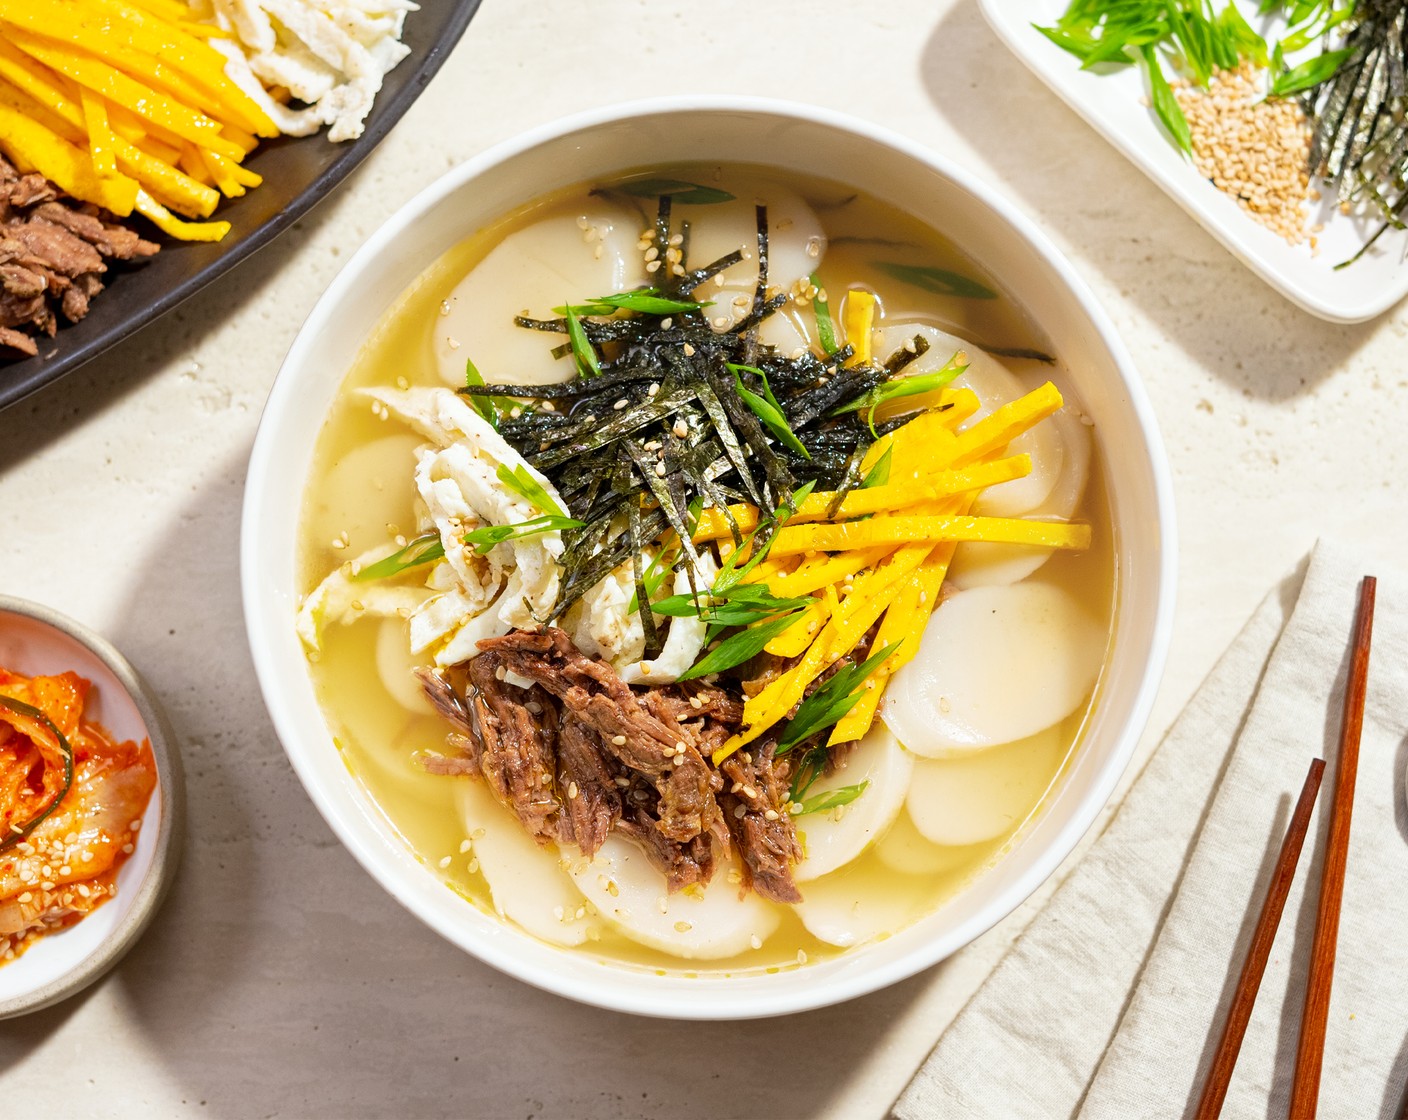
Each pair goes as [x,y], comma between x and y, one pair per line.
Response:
[1103,1007]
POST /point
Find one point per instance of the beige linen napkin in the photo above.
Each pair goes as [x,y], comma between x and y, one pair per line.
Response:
[1103,1007]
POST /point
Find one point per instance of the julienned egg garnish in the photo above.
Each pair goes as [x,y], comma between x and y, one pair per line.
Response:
[654,488]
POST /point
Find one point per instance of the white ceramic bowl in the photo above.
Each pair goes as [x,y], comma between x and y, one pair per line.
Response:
[730,130]
[35,640]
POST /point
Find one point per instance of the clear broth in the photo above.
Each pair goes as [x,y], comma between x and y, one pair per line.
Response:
[361,485]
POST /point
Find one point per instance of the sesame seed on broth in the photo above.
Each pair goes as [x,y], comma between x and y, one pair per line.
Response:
[382,739]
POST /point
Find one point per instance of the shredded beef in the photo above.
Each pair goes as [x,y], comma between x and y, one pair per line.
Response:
[592,692]
[763,831]
[53,252]
[518,749]
[581,753]
[593,801]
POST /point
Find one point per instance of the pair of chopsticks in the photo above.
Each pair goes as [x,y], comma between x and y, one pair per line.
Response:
[1305,1088]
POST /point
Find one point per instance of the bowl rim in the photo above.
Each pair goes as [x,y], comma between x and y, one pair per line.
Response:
[640,998]
[170,787]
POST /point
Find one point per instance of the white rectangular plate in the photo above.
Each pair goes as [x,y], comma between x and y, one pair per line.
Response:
[1113,104]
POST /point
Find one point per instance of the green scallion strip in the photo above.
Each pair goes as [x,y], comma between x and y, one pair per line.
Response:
[588,364]
[485,406]
[520,480]
[486,537]
[677,189]
[644,301]
[879,474]
[830,703]
[740,647]
[767,409]
[940,281]
[825,328]
[833,799]
[425,549]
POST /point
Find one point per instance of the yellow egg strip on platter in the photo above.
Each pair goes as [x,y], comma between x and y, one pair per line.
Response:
[125,105]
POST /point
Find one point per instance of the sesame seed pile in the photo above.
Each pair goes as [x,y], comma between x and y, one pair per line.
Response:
[1253,148]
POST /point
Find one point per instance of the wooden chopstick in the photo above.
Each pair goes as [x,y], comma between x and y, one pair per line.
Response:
[1305,1089]
[1238,1015]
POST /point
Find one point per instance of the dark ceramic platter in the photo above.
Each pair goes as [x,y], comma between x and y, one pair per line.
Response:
[298,173]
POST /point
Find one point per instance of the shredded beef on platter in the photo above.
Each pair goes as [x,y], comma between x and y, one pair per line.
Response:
[54,254]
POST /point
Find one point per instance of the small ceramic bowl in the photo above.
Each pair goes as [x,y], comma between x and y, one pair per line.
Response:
[794,139]
[34,640]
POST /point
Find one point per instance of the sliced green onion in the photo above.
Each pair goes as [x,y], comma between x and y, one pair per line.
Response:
[767,409]
[485,538]
[879,474]
[485,406]
[588,364]
[425,549]
[830,703]
[833,799]
[678,189]
[1166,104]
[900,387]
[940,281]
[646,301]
[741,647]
[825,328]
[520,480]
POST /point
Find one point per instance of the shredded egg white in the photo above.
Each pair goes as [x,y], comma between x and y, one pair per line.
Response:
[331,55]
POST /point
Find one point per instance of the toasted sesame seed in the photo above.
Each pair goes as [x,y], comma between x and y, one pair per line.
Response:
[572,792]
[500,673]
[444,862]
[618,740]
[465,845]
[801,956]
[663,903]
[771,815]
[755,941]
[653,266]
[652,253]
[654,386]
[683,927]
[739,811]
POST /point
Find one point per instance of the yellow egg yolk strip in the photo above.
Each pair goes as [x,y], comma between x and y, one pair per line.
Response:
[136,88]
[890,566]
[918,530]
[891,496]
[859,320]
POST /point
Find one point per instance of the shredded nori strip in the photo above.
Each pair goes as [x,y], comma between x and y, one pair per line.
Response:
[1359,117]
[682,410]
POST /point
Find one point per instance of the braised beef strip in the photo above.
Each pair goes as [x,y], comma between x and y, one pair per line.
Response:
[579,753]
[53,255]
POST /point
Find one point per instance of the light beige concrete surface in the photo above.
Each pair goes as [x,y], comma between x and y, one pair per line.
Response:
[280,981]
